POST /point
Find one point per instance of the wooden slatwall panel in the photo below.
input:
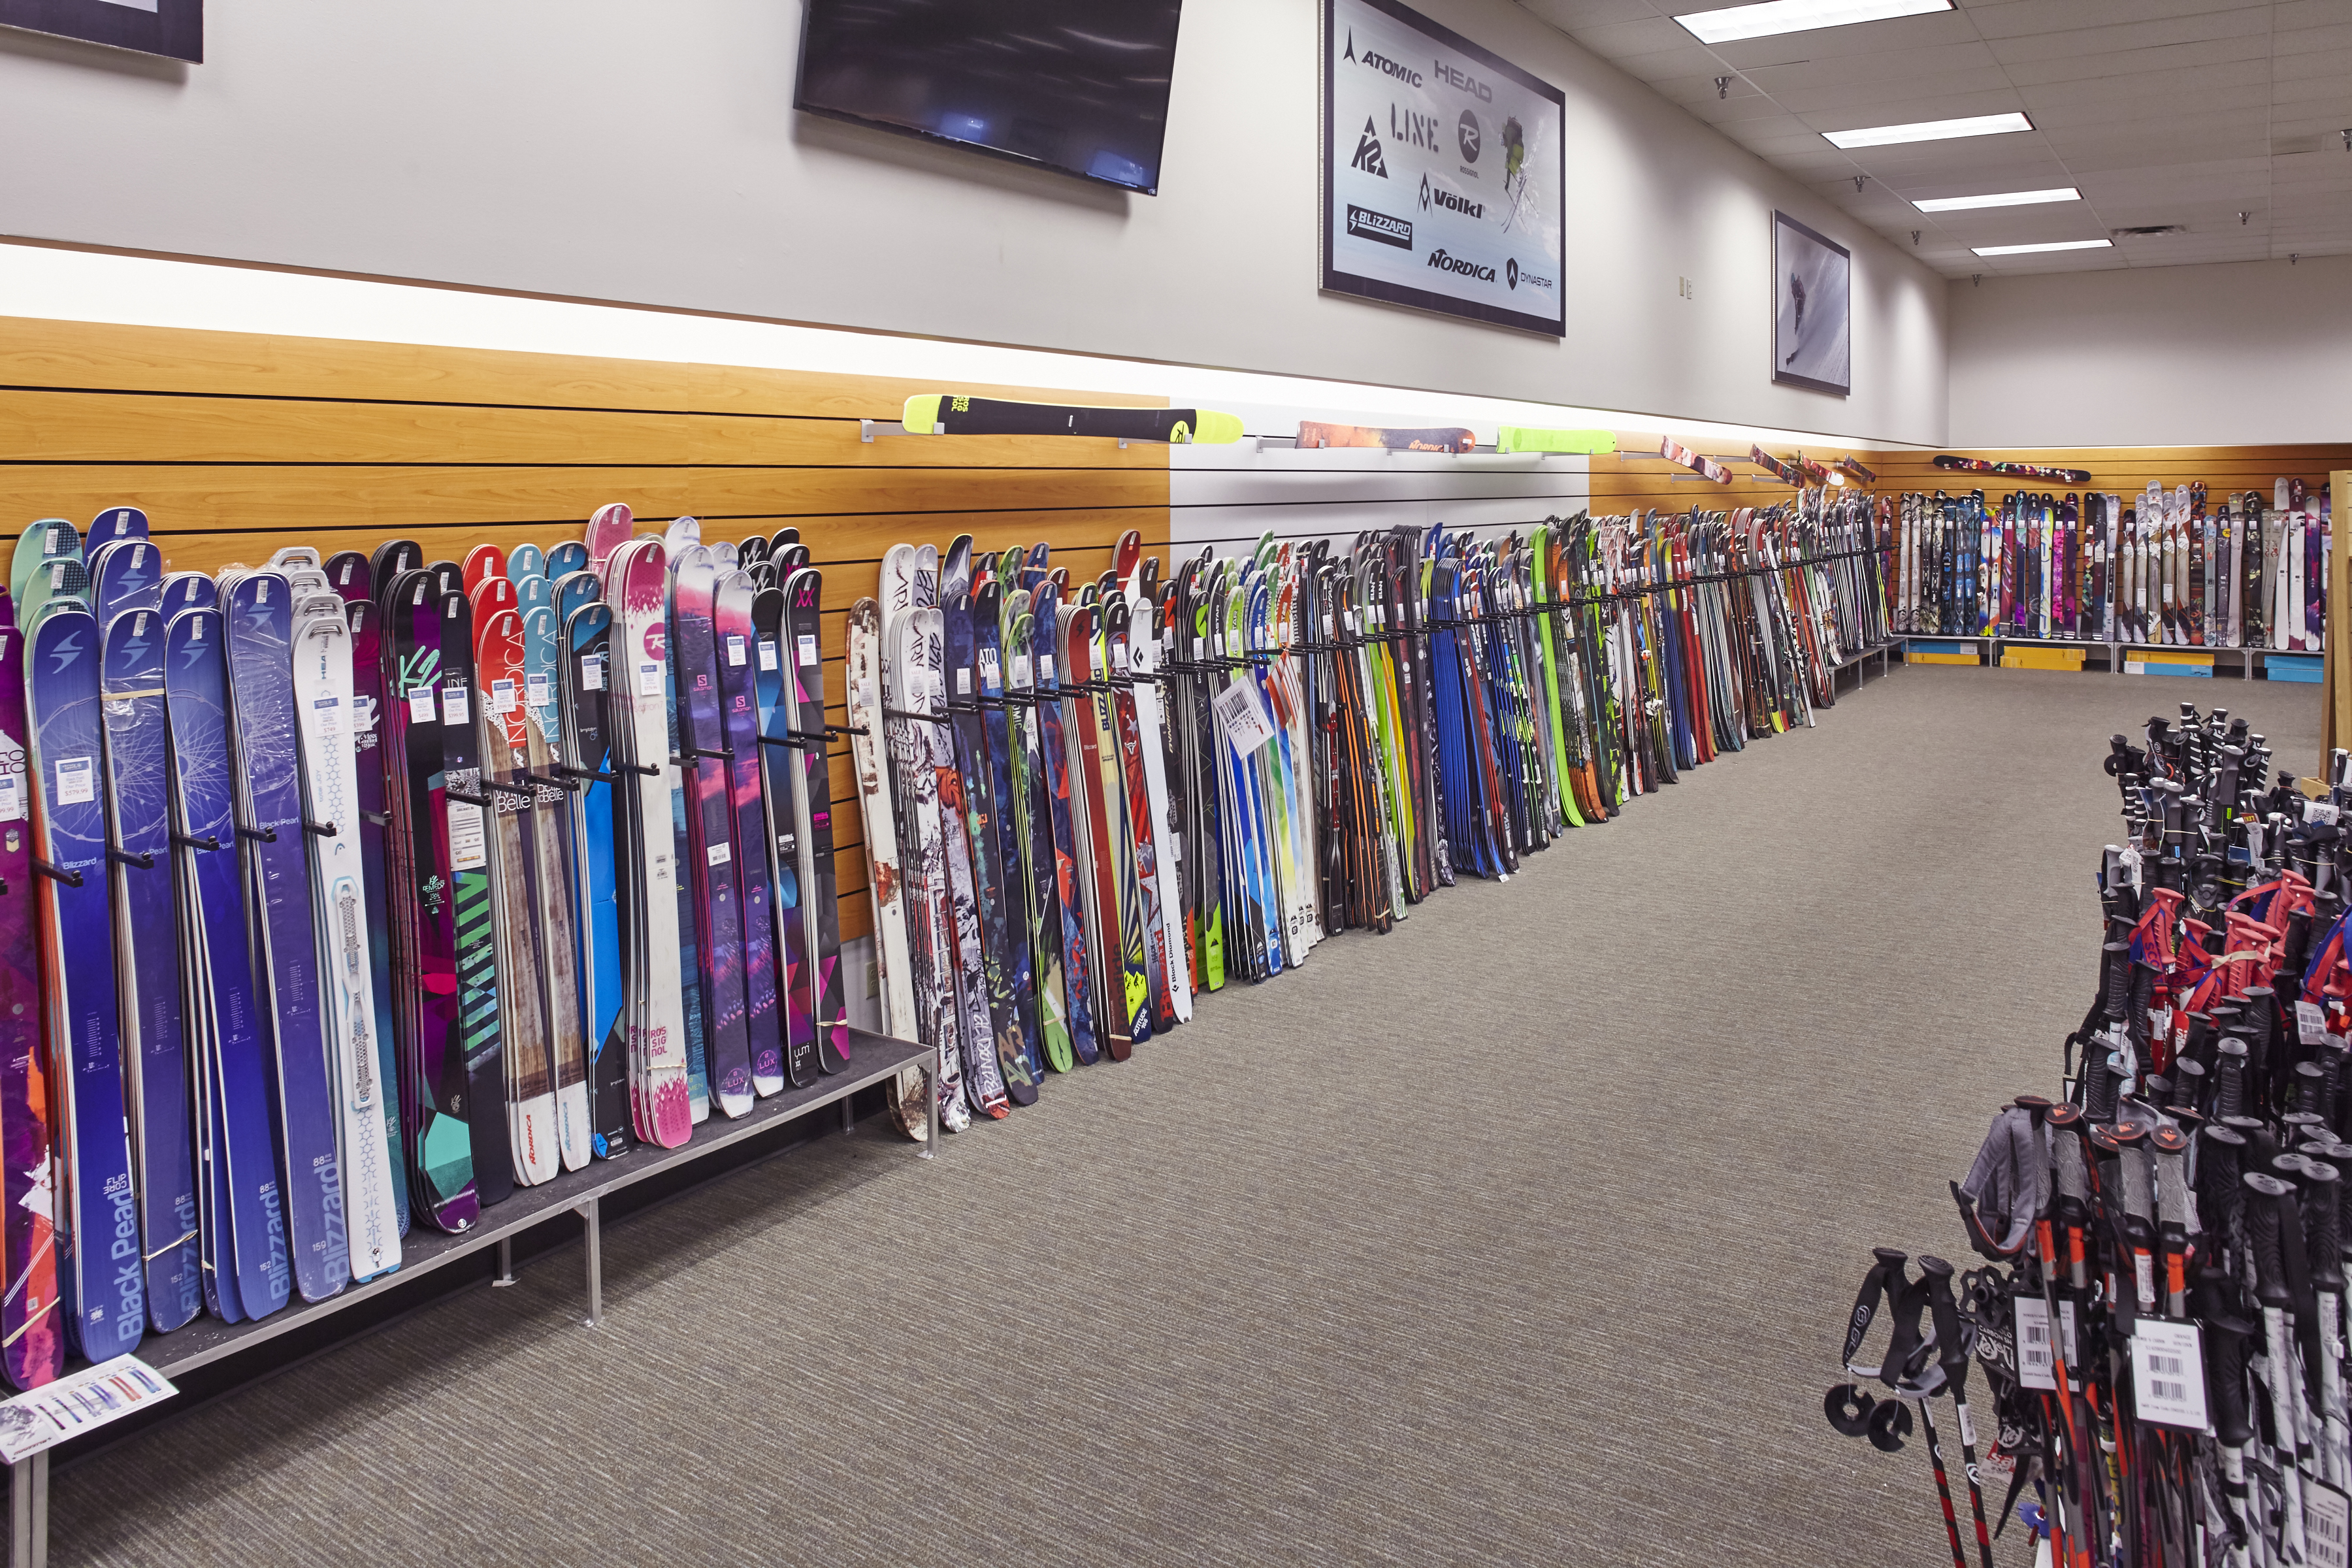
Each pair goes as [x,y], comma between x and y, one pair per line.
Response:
[1624,483]
[236,444]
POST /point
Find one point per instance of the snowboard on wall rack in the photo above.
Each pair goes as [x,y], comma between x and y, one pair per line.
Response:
[2013,470]
[1313,433]
[952,413]
[1526,439]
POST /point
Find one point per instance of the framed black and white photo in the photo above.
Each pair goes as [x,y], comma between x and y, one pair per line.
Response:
[1813,329]
[174,28]
[1443,171]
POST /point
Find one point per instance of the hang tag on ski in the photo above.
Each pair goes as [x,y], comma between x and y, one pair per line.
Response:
[330,716]
[534,689]
[468,842]
[2326,1525]
[592,672]
[77,780]
[807,647]
[722,853]
[1244,721]
[2310,1023]
[649,678]
[420,705]
[767,653]
[2169,1374]
[12,798]
[2034,1365]
[735,654]
[455,708]
[76,1403]
[502,696]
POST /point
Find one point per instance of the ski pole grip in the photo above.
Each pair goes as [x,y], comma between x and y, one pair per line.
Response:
[2322,1224]
[2098,1086]
[2265,1193]
[2138,1183]
[2118,968]
[2188,1084]
[2172,1157]
[2225,1378]
[2230,1078]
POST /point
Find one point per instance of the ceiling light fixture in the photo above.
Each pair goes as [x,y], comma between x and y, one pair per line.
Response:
[1928,130]
[2050,245]
[1736,22]
[1999,199]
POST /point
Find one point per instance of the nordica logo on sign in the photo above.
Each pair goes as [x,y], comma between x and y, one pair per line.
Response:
[1365,223]
[1462,266]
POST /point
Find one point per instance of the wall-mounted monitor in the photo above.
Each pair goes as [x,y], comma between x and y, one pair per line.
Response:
[1078,85]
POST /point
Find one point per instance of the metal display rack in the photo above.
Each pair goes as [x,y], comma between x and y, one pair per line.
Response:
[2246,661]
[873,1058]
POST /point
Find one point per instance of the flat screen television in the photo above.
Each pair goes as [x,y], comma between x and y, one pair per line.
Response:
[1080,86]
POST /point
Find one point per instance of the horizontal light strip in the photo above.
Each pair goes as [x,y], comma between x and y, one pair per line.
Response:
[44,281]
[1736,22]
[1928,130]
[1999,199]
[2051,244]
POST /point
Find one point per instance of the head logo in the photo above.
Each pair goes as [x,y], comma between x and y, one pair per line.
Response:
[67,651]
[1368,152]
[1466,132]
[1463,81]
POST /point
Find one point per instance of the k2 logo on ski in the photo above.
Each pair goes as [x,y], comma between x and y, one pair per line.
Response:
[1367,152]
[1365,223]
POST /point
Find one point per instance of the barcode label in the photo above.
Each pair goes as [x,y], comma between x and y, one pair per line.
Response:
[722,853]
[2169,1373]
[2327,1526]
[963,683]
[2034,1363]
[735,650]
[1045,670]
[2311,1022]
[420,705]
[592,672]
[77,780]
[767,654]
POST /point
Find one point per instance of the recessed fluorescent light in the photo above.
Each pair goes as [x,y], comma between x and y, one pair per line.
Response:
[1999,199]
[1736,22]
[2051,244]
[1928,130]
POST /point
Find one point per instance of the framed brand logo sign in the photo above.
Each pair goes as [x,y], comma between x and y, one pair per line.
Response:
[1441,172]
[172,28]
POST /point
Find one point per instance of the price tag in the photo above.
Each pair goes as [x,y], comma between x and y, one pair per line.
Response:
[328,714]
[420,705]
[767,654]
[2310,1023]
[649,678]
[2320,811]
[2034,1368]
[12,798]
[467,840]
[2327,1526]
[76,1403]
[592,672]
[2169,1374]
[502,696]
[1244,721]
[1021,672]
[721,852]
[456,708]
[806,644]
[363,714]
[1044,674]
[963,683]
[534,689]
[77,780]
[735,651]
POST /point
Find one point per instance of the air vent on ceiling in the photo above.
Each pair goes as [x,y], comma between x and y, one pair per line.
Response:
[2144,230]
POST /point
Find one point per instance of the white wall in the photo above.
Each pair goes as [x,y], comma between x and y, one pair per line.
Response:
[601,149]
[2238,353]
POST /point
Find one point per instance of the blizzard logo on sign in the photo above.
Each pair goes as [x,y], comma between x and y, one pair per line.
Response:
[1414,128]
[1445,263]
[1365,223]
[1368,152]
[1449,201]
[1380,63]
[1461,81]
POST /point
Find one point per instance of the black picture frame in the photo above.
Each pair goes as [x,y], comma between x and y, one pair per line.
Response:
[1336,282]
[174,28]
[1797,247]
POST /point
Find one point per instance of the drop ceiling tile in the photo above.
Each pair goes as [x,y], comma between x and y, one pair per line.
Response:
[2019,19]
[1573,15]
[1635,36]
[1896,99]
[2182,68]
[2134,35]
[2332,63]
[2298,41]
[1865,45]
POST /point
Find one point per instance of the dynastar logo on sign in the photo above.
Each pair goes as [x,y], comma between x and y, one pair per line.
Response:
[1444,198]
[1368,152]
[1464,268]
[1382,63]
[1514,274]
[1414,129]
[1466,133]
[1365,223]
[1462,81]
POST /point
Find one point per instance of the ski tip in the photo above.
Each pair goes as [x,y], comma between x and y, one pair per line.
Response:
[921,415]
[1218,429]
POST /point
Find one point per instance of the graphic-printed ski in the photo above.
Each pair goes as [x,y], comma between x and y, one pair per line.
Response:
[32,1333]
[805,692]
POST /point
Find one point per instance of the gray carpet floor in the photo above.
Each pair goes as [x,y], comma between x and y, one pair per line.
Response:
[1523,1235]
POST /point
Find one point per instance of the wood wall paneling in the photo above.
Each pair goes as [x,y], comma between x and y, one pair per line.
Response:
[236,444]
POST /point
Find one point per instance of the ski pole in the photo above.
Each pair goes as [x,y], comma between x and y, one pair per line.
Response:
[1954,1358]
[1943,1487]
[2271,1289]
